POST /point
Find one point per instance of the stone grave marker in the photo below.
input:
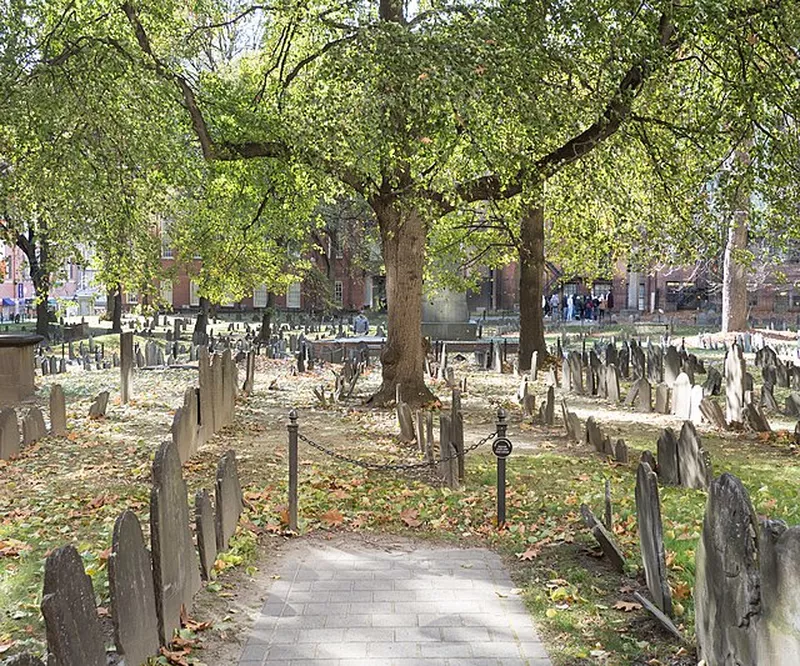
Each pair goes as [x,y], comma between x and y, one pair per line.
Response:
[621,451]
[648,457]
[97,410]
[693,461]
[74,635]
[206,533]
[713,383]
[767,400]
[682,397]
[651,538]
[130,582]
[668,466]
[405,420]
[33,427]
[547,409]
[58,411]
[9,434]
[229,502]
[612,384]
[605,538]
[672,365]
[175,568]
[713,413]
[126,362]
[735,370]
[662,399]
[594,435]
[792,405]
[644,398]
[754,418]
[727,588]
[184,426]
[696,397]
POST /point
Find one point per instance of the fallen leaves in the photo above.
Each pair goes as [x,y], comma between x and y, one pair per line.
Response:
[332,518]
[626,606]
[409,517]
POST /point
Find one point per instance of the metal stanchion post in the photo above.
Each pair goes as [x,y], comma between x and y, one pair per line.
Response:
[292,427]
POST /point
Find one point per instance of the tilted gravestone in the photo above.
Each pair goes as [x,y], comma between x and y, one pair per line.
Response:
[74,635]
[727,589]
[605,538]
[668,469]
[713,383]
[184,426]
[127,360]
[228,499]
[175,568]
[621,451]
[206,533]
[594,435]
[651,538]
[58,411]
[755,419]
[644,397]
[9,434]
[767,400]
[130,582]
[33,427]
[735,371]
[713,413]
[682,396]
[693,461]
[612,384]
[662,399]
[792,405]
[97,410]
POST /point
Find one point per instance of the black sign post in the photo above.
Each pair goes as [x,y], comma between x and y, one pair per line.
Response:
[501,447]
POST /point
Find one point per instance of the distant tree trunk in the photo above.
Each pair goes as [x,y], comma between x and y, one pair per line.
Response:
[266,318]
[114,303]
[403,244]
[734,279]
[531,274]
[38,261]
[201,325]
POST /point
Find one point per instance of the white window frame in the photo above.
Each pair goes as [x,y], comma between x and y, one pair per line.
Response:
[294,296]
[194,294]
[260,296]
[338,292]
[167,291]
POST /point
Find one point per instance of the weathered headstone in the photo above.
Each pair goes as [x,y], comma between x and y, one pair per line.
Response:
[792,405]
[662,399]
[693,461]
[672,365]
[696,397]
[612,384]
[735,370]
[184,426]
[175,567]
[713,413]
[594,435]
[668,466]
[767,400]
[130,582]
[644,398]
[727,589]
[605,538]
[713,383]
[74,636]
[126,366]
[97,410]
[58,411]
[651,538]
[682,397]
[9,434]
[405,420]
[621,451]
[33,427]
[229,500]
[205,527]
[754,418]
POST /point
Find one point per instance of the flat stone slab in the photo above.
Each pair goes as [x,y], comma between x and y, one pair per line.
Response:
[358,606]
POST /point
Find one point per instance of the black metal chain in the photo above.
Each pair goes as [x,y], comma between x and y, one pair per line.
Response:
[392,466]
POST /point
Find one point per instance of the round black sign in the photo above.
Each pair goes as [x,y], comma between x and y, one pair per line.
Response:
[501,447]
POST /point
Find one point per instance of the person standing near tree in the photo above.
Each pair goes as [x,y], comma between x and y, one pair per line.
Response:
[554,306]
[570,308]
[602,307]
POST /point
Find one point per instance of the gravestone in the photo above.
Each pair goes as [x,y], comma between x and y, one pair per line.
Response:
[650,459]
[767,400]
[58,411]
[250,373]
[97,410]
[612,384]
[668,466]
[33,427]
[229,500]
[594,436]
[621,451]
[217,397]
[651,538]
[672,365]
[184,426]
[735,370]
[693,461]
[206,382]
[644,399]
[405,420]
[792,405]
[130,582]
[549,407]
[713,413]
[206,533]
[9,434]
[605,538]
[74,635]
[695,413]
[633,392]
[727,588]
[576,372]
[662,399]
[754,418]
[126,366]
[682,397]
[175,569]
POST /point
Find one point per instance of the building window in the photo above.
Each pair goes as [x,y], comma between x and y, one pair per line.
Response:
[338,292]
[166,242]
[194,294]
[781,303]
[570,289]
[260,296]
[133,298]
[293,296]
[752,298]
[166,291]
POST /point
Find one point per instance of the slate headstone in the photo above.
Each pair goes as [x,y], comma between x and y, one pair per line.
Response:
[206,533]
[97,410]
[651,538]
[9,434]
[58,411]
[228,499]
[130,583]
[693,461]
[127,360]
[33,427]
[668,467]
[662,399]
[184,426]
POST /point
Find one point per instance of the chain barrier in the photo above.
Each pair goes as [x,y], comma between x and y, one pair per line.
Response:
[391,467]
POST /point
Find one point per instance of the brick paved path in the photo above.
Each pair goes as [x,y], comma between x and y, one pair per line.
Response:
[356,606]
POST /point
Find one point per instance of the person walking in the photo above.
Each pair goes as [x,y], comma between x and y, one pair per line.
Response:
[570,308]
[554,306]
[602,307]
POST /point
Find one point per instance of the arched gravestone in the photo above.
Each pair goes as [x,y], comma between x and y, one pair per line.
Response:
[130,582]
[73,630]
[651,539]
[727,589]
[9,434]
[58,412]
[184,426]
[693,461]
[668,469]
[206,532]
[228,499]
[175,568]
[33,427]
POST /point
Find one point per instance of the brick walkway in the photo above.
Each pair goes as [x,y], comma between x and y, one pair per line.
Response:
[357,606]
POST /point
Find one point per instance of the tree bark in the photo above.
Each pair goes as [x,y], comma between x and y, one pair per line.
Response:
[37,262]
[734,279]
[266,319]
[115,302]
[531,273]
[403,236]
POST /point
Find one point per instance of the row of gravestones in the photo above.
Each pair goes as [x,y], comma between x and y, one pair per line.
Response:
[208,408]
[33,425]
[546,413]
[451,462]
[148,589]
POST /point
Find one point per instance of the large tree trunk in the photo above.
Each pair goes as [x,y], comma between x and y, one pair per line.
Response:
[38,261]
[266,319]
[734,280]
[403,358]
[114,301]
[531,274]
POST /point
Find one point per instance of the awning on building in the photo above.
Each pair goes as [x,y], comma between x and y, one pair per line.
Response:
[9,302]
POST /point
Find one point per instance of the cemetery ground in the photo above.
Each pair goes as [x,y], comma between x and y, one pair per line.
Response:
[71,490]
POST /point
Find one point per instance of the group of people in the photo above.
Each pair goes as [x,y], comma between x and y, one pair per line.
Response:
[570,307]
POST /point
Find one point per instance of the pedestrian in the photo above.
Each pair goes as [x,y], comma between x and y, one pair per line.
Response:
[570,308]
[602,307]
[589,307]
[610,300]
[554,306]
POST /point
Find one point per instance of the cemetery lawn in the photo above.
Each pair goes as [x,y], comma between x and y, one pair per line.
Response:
[71,490]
